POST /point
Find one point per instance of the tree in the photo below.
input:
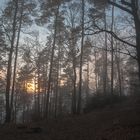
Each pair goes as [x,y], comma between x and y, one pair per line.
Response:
[112,52]
[73,31]
[51,61]
[14,16]
[131,77]
[81,58]
[105,54]
[16,56]
[9,69]
[25,76]
[132,8]
[52,11]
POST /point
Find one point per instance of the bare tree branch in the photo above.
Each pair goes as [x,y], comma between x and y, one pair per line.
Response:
[5,31]
[109,50]
[126,3]
[113,34]
[121,7]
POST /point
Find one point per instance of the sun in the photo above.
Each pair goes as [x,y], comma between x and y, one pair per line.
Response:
[31,87]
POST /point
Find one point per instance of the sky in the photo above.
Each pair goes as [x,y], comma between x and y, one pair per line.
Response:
[2,3]
[41,30]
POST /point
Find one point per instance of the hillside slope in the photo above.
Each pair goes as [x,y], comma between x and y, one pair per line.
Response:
[120,122]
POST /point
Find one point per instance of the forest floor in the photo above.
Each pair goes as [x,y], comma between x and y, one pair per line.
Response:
[119,122]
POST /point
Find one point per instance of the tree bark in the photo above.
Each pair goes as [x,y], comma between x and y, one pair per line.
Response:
[81,60]
[9,68]
[137,29]
[51,62]
[105,61]
[16,56]
[38,93]
[112,53]
[57,84]
[74,89]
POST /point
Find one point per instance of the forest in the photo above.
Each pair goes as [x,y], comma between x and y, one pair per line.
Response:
[67,58]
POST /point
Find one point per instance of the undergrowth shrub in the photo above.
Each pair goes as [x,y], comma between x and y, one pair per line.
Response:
[102,101]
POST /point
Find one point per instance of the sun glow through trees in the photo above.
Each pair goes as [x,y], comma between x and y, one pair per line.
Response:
[31,87]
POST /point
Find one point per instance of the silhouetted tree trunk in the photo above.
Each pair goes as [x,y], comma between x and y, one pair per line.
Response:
[112,53]
[51,62]
[119,72]
[38,93]
[81,59]
[74,88]
[87,84]
[15,61]
[105,60]
[96,75]
[74,77]
[137,28]
[57,82]
[9,68]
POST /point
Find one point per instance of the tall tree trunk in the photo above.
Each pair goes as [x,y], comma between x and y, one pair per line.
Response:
[118,69]
[15,108]
[9,68]
[105,61]
[74,87]
[112,53]
[57,83]
[51,62]
[96,76]
[74,100]
[15,62]
[87,84]
[45,90]
[137,28]
[38,93]
[35,94]
[81,60]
